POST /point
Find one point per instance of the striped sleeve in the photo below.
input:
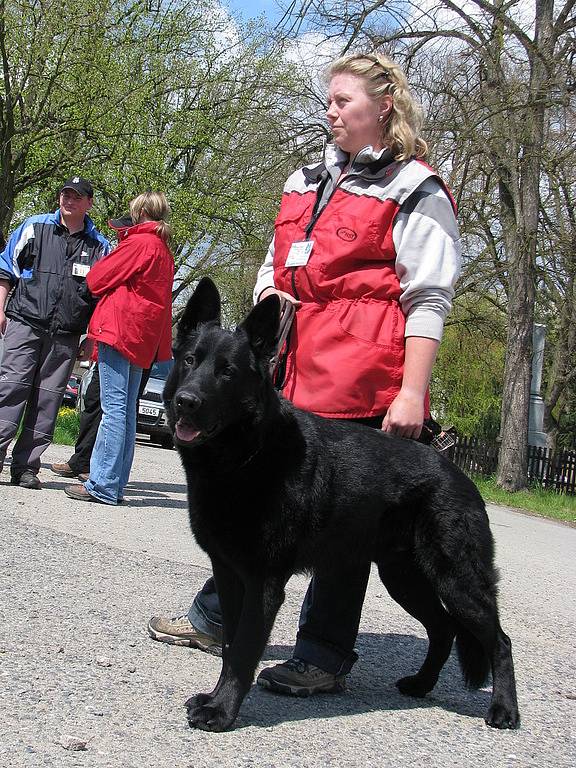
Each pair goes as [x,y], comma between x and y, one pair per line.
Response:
[9,266]
[265,277]
[428,257]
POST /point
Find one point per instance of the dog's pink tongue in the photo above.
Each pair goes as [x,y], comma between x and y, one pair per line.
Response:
[185,433]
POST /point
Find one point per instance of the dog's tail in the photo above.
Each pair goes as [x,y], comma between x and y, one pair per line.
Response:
[473,658]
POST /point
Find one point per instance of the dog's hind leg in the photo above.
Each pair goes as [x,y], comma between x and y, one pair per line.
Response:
[484,629]
[481,643]
[410,589]
[503,709]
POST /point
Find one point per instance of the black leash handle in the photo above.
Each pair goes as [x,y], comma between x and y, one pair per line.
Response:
[287,312]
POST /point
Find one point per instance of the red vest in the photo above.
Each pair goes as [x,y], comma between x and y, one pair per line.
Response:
[346,353]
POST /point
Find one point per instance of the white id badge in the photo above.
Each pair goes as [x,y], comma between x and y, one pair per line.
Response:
[80,270]
[299,253]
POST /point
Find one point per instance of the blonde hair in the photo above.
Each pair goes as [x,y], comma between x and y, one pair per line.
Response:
[381,76]
[153,206]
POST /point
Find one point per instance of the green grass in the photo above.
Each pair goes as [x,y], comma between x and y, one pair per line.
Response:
[557,506]
[67,426]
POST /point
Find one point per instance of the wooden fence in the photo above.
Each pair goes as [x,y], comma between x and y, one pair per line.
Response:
[553,471]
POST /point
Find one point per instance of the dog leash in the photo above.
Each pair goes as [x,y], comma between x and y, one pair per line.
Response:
[278,360]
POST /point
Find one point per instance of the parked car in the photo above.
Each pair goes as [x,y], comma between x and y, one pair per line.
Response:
[83,386]
[151,417]
[70,398]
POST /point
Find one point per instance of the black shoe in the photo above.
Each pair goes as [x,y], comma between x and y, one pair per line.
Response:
[296,677]
[27,480]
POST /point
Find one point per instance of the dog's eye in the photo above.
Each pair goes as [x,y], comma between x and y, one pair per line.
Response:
[190,361]
[226,370]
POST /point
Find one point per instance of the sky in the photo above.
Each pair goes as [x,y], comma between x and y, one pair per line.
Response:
[252,8]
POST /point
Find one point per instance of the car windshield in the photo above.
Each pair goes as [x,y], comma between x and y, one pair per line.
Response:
[161,370]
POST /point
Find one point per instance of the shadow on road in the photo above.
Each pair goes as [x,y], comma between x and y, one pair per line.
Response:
[370,687]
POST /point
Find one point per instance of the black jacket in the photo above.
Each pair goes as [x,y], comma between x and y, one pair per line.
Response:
[48,266]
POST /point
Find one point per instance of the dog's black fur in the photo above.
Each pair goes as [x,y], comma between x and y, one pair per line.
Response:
[274,490]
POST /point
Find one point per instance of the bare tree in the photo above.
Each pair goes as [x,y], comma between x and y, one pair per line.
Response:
[557,272]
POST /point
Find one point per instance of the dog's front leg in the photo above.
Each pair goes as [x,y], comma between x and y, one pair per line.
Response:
[245,634]
[231,607]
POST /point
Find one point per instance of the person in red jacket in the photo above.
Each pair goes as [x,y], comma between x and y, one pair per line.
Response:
[366,246]
[132,326]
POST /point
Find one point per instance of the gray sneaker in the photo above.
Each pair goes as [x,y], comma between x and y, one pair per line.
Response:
[296,677]
[179,631]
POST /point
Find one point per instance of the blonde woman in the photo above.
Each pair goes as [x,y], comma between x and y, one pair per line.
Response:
[132,327]
[366,246]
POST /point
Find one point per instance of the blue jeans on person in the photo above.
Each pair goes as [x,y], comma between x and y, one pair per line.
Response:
[113,452]
[329,617]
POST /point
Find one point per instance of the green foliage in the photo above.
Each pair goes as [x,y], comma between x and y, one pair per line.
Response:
[67,426]
[466,384]
[567,420]
[135,98]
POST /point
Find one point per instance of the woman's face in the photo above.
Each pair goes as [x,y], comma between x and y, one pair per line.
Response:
[353,115]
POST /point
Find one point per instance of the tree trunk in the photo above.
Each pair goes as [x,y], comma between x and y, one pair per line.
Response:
[513,460]
[521,243]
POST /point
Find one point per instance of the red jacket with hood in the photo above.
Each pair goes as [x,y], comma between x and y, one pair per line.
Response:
[134,284]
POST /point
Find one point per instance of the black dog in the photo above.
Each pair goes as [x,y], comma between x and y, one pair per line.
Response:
[274,490]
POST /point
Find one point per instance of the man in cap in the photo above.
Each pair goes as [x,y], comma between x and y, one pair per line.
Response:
[43,272]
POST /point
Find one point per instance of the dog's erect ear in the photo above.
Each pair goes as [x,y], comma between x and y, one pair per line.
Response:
[203,307]
[261,325]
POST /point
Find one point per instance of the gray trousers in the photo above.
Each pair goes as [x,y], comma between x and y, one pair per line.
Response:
[34,372]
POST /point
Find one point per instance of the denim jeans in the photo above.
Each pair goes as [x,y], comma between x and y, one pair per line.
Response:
[205,613]
[114,448]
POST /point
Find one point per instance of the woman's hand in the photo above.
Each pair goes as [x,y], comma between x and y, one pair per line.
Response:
[405,415]
[282,294]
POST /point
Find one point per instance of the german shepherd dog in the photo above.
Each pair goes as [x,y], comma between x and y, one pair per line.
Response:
[274,490]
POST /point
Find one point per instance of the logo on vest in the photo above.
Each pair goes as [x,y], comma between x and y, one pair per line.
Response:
[346,234]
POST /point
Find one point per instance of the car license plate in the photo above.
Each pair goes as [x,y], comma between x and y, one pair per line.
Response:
[146,410]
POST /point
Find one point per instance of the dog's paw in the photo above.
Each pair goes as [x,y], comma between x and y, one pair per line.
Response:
[198,700]
[500,715]
[204,713]
[414,686]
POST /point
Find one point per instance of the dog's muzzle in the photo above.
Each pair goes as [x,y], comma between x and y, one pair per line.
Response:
[186,405]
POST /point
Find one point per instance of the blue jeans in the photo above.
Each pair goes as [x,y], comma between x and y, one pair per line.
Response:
[114,448]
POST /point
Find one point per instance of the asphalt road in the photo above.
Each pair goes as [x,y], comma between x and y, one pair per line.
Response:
[79,581]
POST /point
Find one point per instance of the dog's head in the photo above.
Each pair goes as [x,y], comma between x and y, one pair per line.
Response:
[219,377]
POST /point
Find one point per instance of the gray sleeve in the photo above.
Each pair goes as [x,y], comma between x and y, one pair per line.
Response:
[265,277]
[428,257]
